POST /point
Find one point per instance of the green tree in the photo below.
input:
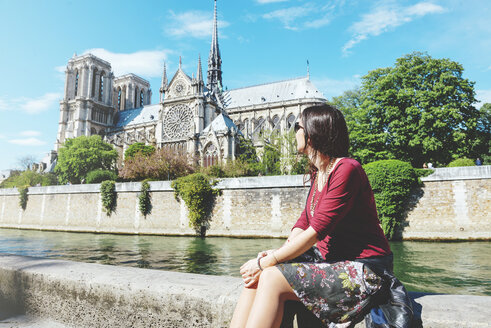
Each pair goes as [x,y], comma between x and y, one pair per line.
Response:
[138,148]
[78,156]
[484,133]
[29,178]
[419,110]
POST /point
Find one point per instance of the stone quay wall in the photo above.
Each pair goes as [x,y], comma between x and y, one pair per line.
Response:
[453,203]
[71,294]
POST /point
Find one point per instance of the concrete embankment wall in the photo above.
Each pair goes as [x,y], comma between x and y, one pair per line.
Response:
[454,203]
[94,295]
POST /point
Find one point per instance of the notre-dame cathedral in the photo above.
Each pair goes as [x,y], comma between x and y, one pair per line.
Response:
[199,118]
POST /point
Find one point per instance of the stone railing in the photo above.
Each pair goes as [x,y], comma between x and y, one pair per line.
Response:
[93,295]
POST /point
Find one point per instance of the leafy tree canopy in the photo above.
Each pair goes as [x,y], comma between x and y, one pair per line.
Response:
[420,110]
[80,155]
[29,178]
[138,148]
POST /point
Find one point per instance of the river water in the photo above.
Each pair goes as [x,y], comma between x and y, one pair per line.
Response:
[437,267]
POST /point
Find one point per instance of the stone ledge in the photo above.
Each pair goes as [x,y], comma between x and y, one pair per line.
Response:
[459,173]
[95,295]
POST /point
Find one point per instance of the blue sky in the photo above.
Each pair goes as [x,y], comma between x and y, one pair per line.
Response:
[260,41]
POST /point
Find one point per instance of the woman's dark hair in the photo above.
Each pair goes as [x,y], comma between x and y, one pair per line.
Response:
[326,130]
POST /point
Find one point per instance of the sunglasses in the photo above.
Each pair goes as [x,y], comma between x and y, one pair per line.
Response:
[297,127]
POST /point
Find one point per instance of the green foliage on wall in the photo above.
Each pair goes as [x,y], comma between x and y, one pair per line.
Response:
[80,155]
[97,176]
[144,199]
[199,196]
[23,196]
[461,162]
[109,196]
[391,181]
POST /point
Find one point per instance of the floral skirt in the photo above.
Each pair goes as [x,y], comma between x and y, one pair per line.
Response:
[336,293]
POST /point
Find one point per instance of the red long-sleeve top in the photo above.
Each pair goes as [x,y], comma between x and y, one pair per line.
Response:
[345,217]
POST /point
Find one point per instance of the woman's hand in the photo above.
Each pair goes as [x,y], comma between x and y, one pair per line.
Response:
[250,273]
[265,253]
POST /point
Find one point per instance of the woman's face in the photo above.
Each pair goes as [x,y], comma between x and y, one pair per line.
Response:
[300,136]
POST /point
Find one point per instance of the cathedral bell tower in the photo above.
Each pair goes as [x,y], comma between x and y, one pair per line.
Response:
[86,108]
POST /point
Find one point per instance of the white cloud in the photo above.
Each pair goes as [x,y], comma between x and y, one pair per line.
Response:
[31,105]
[333,88]
[288,16]
[196,24]
[2,136]
[148,63]
[386,17]
[27,142]
[4,105]
[484,96]
[30,133]
[37,105]
[309,15]
[269,1]
[60,69]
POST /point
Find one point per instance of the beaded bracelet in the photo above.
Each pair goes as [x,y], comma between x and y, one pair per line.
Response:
[259,263]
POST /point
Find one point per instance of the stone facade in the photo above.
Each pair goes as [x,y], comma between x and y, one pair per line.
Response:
[248,207]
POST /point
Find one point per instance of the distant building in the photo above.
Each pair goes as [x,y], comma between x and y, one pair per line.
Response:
[4,175]
[201,119]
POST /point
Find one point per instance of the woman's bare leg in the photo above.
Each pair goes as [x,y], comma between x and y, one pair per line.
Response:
[272,292]
[243,307]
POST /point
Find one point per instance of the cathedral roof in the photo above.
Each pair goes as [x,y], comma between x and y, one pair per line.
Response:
[272,92]
[222,123]
[136,116]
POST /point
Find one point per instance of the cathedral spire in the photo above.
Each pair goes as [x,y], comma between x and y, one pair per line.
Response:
[214,60]
[163,86]
[164,77]
[199,75]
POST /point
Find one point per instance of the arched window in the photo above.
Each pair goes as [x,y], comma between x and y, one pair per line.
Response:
[211,155]
[246,127]
[136,97]
[260,124]
[94,80]
[141,98]
[120,93]
[290,121]
[76,82]
[123,98]
[101,85]
[276,120]
[93,131]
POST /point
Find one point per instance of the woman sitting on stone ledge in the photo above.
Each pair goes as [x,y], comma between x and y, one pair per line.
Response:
[326,263]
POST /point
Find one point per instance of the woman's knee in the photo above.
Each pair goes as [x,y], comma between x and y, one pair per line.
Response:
[269,275]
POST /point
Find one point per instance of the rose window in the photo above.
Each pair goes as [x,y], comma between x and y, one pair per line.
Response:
[178,122]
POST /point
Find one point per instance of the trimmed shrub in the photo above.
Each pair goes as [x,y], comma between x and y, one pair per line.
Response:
[144,199]
[199,196]
[109,196]
[461,162]
[97,176]
[421,173]
[391,181]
